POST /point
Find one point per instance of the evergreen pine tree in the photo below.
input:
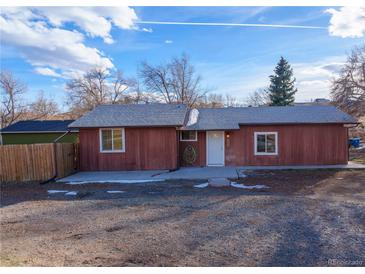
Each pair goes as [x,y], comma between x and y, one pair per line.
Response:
[282,90]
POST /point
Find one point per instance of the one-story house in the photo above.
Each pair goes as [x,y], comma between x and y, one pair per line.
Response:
[38,131]
[166,136]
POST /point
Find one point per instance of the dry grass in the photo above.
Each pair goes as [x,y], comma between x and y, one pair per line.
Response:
[358,155]
[303,219]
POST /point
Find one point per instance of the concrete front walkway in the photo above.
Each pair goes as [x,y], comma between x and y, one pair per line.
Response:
[145,176]
[201,173]
[188,173]
[113,176]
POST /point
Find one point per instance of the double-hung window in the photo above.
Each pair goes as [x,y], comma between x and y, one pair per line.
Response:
[266,143]
[112,140]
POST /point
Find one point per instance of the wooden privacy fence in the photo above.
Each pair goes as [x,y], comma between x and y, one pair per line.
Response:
[37,162]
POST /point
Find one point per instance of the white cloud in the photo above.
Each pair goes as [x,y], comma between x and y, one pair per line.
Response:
[313,79]
[147,30]
[309,90]
[168,41]
[326,68]
[95,21]
[347,22]
[42,39]
[47,72]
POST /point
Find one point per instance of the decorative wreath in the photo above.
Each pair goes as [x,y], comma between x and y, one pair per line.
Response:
[189,155]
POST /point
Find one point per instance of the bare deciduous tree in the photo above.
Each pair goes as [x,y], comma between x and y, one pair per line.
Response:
[231,101]
[97,86]
[211,100]
[348,90]
[176,81]
[41,109]
[12,107]
[138,96]
[157,79]
[214,100]
[258,98]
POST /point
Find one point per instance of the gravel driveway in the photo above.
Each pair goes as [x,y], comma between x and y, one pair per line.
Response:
[305,218]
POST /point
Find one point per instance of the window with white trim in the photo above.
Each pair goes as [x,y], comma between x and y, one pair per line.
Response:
[112,140]
[188,135]
[266,143]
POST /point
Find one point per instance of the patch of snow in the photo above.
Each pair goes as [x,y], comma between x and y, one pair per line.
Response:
[115,181]
[71,193]
[233,184]
[53,191]
[241,173]
[78,183]
[193,117]
[203,185]
[115,191]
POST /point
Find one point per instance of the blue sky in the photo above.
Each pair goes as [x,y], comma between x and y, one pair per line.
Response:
[44,46]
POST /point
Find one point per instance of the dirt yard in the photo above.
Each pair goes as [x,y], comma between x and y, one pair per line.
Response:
[358,155]
[304,218]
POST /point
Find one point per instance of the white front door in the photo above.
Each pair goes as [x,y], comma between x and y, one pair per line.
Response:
[215,148]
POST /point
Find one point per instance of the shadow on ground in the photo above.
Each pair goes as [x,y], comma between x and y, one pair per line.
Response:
[288,182]
[293,223]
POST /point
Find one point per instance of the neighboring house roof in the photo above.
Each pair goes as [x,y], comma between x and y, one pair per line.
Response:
[137,115]
[231,117]
[316,102]
[38,126]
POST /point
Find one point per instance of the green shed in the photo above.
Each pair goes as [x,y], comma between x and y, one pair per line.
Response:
[38,131]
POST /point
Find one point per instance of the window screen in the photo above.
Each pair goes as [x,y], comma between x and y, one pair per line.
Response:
[188,135]
[112,140]
[266,143]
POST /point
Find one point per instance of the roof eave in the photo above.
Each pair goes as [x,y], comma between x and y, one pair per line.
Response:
[210,129]
[24,132]
[297,123]
[126,126]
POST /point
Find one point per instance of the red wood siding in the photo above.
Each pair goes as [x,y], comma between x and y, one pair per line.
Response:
[199,147]
[146,148]
[297,145]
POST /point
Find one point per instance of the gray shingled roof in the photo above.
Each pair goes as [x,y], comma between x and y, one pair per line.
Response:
[137,115]
[231,118]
